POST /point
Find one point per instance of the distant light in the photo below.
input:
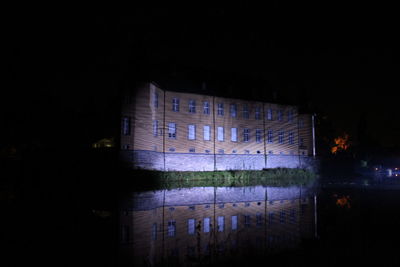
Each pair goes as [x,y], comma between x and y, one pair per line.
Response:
[395,169]
[376,169]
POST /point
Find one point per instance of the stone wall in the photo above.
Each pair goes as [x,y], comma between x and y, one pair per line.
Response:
[152,160]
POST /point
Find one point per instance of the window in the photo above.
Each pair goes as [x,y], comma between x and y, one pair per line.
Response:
[292,216]
[246,135]
[192,106]
[155,99]
[234,134]
[245,111]
[280,115]
[247,220]
[257,114]
[233,110]
[270,136]
[206,108]
[259,220]
[291,138]
[258,135]
[270,218]
[281,137]
[221,223]
[221,151]
[154,232]
[126,125]
[290,115]
[269,114]
[282,216]
[234,221]
[172,130]
[155,128]
[175,104]
[206,223]
[191,226]
[192,150]
[301,142]
[220,110]
[191,132]
[301,123]
[206,132]
[221,134]
[171,228]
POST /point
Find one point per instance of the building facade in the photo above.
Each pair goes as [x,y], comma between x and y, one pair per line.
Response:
[175,131]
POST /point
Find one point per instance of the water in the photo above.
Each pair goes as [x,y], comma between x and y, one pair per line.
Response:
[342,223]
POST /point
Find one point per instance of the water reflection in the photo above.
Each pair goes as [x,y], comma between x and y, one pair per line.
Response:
[209,224]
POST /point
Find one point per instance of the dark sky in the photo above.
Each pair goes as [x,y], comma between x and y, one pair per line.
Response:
[345,62]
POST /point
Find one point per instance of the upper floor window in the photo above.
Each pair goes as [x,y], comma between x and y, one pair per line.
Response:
[233,110]
[220,133]
[291,138]
[246,135]
[301,123]
[245,111]
[155,99]
[172,130]
[192,106]
[175,104]
[220,223]
[290,115]
[191,226]
[281,137]
[269,114]
[270,136]
[234,222]
[301,142]
[257,114]
[191,132]
[206,108]
[280,115]
[126,125]
[220,110]
[258,135]
[234,134]
[206,132]
[171,228]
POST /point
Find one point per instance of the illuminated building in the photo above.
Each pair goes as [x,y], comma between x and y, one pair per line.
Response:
[168,130]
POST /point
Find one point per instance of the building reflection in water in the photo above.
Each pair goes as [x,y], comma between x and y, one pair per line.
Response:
[204,224]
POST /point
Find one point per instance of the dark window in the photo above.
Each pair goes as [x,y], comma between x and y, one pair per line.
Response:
[126,125]
[192,106]
[246,135]
[257,114]
[258,135]
[245,111]
[270,136]
[233,110]
[206,108]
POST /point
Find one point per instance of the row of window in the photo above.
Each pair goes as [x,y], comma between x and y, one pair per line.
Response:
[246,133]
[233,109]
[206,225]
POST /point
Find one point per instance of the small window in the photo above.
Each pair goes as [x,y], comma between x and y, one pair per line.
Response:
[292,216]
[291,138]
[259,220]
[221,151]
[220,110]
[206,225]
[191,226]
[175,104]
[206,132]
[234,222]
[192,150]
[290,115]
[301,142]
[206,108]
[171,149]
[258,135]
[171,228]
[221,134]
[247,220]
[281,137]
[269,114]
[301,123]
[271,218]
[126,125]
[154,231]
[207,151]
[221,223]
[282,217]
[246,135]
[191,132]
[245,111]
[280,115]
[233,110]
[270,136]
[257,114]
[247,151]
[192,106]
[234,134]
[172,130]
[155,99]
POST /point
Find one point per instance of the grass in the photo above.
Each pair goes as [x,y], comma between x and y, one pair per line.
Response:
[271,177]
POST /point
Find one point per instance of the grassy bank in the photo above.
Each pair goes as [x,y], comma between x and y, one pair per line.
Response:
[270,177]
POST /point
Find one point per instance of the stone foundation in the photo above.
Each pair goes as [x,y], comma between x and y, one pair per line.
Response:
[151,160]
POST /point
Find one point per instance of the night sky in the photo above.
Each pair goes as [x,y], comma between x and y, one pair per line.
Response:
[66,71]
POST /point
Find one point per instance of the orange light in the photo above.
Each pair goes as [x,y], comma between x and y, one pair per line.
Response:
[341,143]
